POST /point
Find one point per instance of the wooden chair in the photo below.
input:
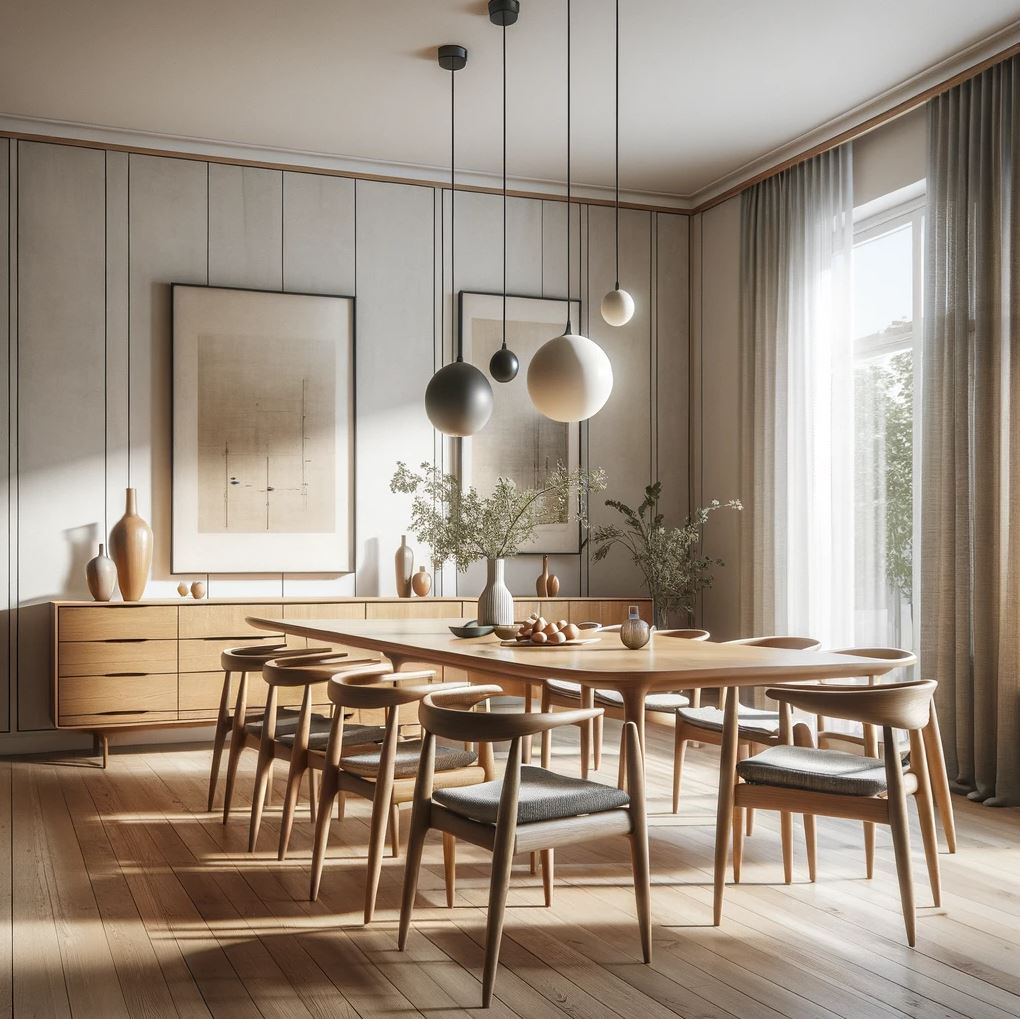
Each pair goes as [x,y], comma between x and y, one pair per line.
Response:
[384,774]
[562,693]
[529,809]
[242,660]
[292,742]
[868,743]
[832,783]
[758,726]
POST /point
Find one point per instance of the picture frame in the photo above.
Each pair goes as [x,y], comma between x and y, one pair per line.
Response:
[263,430]
[518,442]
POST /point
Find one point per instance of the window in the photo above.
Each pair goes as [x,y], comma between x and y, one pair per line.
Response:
[887,308]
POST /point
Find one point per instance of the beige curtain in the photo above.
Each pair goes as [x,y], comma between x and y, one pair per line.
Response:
[970,503]
[797,407]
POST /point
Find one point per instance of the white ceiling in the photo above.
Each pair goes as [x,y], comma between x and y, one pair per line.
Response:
[706,87]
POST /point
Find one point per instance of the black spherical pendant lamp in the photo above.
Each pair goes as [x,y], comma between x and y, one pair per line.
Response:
[458,399]
[503,366]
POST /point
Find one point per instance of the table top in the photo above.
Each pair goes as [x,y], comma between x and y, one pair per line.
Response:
[665,663]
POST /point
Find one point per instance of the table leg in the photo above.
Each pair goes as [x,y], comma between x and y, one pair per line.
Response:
[724,813]
[633,711]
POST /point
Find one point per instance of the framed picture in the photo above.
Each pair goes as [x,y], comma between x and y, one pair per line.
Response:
[263,432]
[518,442]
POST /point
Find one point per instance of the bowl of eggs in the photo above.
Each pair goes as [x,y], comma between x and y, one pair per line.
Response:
[537,631]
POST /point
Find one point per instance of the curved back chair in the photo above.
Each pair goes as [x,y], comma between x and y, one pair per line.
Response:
[290,739]
[240,661]
[528,809]
[836,784]
[705,725]
[385,773]
[562,693]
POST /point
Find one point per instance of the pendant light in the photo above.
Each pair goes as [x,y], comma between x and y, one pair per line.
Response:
[617,305]
[503,366]
[570,377]
[458,399]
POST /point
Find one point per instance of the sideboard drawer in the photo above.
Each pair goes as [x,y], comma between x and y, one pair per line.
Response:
[116,657]
[207,619]
[116,696]
[135,622]
[203,654]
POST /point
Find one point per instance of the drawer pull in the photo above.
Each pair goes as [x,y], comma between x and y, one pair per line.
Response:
[127,640]
[235,636]
[123,711]
[122,674]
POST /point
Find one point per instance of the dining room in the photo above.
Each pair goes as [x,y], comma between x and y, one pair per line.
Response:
[509,509]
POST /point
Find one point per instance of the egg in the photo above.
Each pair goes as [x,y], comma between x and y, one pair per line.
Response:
[539,638]
[561,624]
[557,638]
[571,632]
[550,629]
[533,616]
[541,623]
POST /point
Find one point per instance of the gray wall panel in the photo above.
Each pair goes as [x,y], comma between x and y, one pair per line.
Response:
[5,463]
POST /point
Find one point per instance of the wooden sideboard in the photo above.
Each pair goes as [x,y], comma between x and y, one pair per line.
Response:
[156,664]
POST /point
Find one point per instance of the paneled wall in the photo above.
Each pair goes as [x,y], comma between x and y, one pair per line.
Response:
[93,240]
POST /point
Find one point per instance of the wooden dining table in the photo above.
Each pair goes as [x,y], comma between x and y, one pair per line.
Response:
[664,664]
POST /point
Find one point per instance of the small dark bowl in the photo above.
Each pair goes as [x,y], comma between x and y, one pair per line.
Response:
[471,628]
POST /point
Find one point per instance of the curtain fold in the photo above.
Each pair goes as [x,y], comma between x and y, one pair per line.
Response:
[970,505]
[797,402]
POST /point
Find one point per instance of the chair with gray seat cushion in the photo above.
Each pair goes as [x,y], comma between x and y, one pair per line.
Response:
[528,809]
[562,693]
[811,781]
[386,773]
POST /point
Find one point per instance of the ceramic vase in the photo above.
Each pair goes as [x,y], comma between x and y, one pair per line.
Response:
[421,583]
[404,564]
[552,585]
[635,632]
[495,603]
[183,589]
[131,549]
[198,590]
[542,583]
[101,574]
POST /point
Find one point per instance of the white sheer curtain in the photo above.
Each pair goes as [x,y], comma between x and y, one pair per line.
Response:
[797,402]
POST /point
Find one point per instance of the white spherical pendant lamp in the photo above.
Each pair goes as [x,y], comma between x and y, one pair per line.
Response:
[570,378]
[617,307]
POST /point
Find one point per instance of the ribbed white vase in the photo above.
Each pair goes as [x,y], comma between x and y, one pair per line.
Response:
[495,603]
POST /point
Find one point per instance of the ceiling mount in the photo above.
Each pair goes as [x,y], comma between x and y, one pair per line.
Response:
[504,13]
[452,57]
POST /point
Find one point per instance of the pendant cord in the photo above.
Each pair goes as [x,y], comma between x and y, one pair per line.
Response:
[569,328]
[453,218]
[617,119]
[504,186]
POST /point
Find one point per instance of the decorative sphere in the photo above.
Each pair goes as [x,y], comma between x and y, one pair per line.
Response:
[570,378]
[458,399]
[504,365]
[617,307]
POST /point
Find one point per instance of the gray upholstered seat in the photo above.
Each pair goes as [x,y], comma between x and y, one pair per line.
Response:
[286,723]
[564,687]
[820,771]
[760,721]
[668,702]
[544,796]
[354,736]
[366,763]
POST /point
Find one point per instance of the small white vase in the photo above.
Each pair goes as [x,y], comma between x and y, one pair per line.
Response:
[495,603]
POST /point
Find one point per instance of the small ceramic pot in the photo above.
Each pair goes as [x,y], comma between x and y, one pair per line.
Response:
[183,589]
[198,590]
[421,582]
[101,574]
[635,632]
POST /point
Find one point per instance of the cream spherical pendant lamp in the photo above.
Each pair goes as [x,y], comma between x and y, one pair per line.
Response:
[617,305]
[570,377]
[458,399]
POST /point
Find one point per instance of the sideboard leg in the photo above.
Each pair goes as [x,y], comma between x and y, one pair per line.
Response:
[101,745]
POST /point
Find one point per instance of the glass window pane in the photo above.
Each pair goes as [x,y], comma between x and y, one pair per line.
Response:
[883,281]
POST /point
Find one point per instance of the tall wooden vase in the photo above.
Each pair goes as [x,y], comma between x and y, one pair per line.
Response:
[403,562]
[131,549]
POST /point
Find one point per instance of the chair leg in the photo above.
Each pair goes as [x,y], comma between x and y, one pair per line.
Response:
[450,867]
[263,771]
[749,830]
[786,826]
[412,863]
[394,831]
[533,863]
[311,794]
[341,804]
[586,738]
[528,708]
[738,842]
[869,849]
[939,778]
[548,865]
[499,885]
[900,829]
[597,742]
[223,726]
[811,844]
[381,813]
[327,794]
[547,735]
[233,760]
[926,815]
[295,773]
[679,756]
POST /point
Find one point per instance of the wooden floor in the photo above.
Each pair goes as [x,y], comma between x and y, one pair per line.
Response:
[126,899]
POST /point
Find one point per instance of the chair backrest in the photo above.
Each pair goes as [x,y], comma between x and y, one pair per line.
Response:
[309,669]
[368,688]
[789,643]
[445,714]
[894,705]
[253,657]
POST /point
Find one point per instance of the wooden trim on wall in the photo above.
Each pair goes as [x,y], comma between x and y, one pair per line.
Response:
[865,127]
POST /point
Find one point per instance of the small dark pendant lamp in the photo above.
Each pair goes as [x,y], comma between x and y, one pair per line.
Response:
[458,399]
[617,305]
[503,366]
